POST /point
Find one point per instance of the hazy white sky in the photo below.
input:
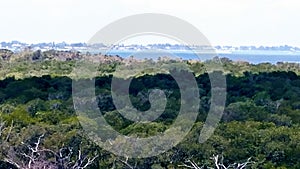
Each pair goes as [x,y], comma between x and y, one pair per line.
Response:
[223,22]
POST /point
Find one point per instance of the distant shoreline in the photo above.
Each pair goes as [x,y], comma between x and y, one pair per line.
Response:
[250,57]
[253,58]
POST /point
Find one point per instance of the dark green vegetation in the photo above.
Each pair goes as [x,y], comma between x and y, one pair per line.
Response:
[261,119]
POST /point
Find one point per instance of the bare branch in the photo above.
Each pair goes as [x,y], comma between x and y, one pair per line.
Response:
[37,158]
[185,165]
[218,164]
[244,165]
[10,161]
[125,162]
[192,165]
[90,161]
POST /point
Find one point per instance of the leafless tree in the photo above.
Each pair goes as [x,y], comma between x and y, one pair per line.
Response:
[65,160]
[38,158]
[218,164]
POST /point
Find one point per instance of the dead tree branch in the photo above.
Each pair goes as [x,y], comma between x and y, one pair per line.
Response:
[37,158]
[218,164]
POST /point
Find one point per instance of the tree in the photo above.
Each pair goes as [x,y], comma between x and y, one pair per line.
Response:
[218,164]
[37,157]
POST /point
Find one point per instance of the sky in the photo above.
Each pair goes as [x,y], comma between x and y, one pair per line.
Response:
[223,22]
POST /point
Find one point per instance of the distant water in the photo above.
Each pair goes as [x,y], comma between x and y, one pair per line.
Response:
[256,59]
[249,57]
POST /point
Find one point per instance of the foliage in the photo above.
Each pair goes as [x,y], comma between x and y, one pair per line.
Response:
[261,118]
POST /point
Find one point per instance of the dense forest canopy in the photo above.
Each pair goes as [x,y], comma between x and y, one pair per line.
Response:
[39,126]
